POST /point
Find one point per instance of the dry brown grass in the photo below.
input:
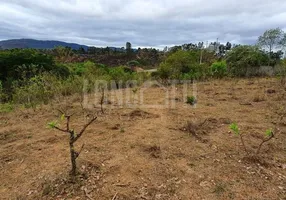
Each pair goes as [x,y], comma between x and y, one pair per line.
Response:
[152,158]
[259,98]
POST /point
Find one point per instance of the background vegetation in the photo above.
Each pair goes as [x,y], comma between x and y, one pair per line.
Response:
[30,77]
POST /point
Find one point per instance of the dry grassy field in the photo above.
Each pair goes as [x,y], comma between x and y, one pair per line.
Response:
[153,153]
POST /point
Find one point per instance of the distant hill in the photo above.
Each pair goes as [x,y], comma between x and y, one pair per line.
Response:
[37,44]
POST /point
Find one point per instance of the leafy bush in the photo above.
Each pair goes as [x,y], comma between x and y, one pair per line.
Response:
[282,72]
[31,92]
[30,77]
[183,65]
[141,77]
[191,100]
[44,87]
[78,68]
[6,107]
[72,85]
[120,76]
[3,95]
[11,59]
[19,66]
[219,69]
[61,71]
[241,58]
[177,64]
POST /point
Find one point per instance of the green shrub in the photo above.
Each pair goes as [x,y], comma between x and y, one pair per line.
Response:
[120,76]
[11,59]
[32,91]
[241,58]
[42,88]
[72,85]
[183,65]
[36,86]
[3,96]
[6,107]
[191,100]
[178,63]
[141,77]
[61,71]
[219,69]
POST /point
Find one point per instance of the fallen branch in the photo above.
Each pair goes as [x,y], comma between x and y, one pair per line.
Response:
[115,196]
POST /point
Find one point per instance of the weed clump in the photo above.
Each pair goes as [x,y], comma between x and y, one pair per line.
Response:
[192,100]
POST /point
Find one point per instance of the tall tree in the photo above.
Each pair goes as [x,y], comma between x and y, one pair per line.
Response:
[271,39]
[200,45]
[222,49]
[165,49]
[228,46]
[128,47]
[283,43]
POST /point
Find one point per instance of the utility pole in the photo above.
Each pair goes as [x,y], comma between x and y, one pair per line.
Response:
[201,57]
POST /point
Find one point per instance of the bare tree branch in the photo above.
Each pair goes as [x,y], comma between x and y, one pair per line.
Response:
[79,152]
[62,112]
[68,123]
[263,141]
[102,101]
[65,113]
[66,131]
[83,129]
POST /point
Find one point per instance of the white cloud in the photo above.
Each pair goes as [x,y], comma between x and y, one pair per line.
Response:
[142,22]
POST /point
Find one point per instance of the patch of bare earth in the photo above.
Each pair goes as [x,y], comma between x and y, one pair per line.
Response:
[176,152]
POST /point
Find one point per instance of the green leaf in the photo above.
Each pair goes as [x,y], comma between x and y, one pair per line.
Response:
[52,124]
[269,132]
[234,128]
[63,117]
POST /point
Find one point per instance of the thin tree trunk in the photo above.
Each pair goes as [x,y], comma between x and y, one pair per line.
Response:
[201,56]
[73,155]
[269,56]
[102,101]
[73,138]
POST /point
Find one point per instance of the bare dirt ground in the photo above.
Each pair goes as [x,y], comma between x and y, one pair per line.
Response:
[149,153]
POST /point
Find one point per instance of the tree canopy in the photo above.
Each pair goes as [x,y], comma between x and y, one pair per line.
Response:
[271,39]
[240,58]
